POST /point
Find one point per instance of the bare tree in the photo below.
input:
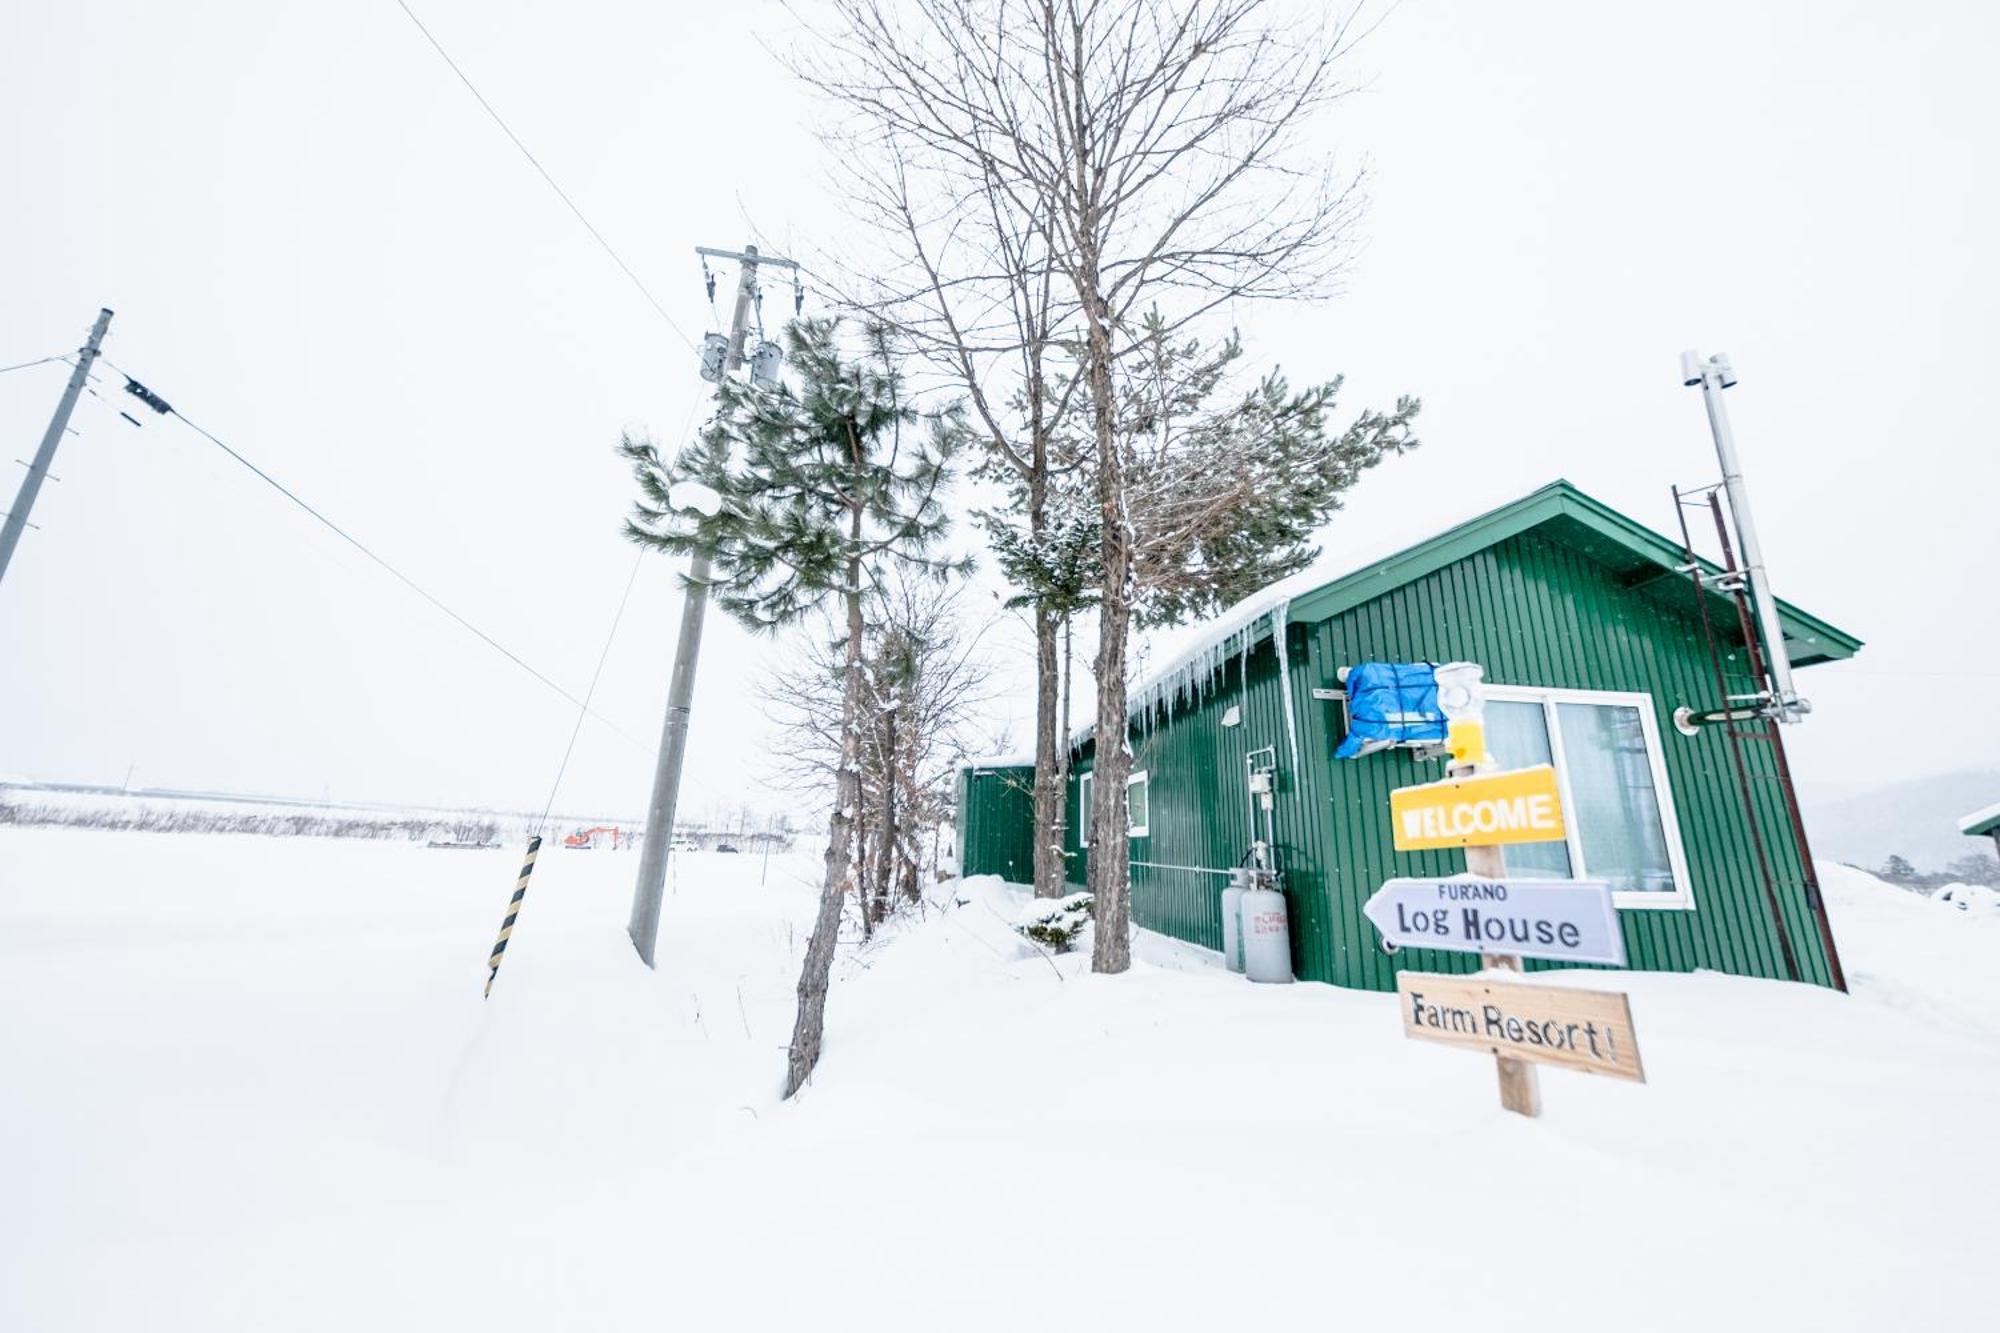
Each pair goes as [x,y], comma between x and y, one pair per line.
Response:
[972,285]
[923,685]
[1156,149]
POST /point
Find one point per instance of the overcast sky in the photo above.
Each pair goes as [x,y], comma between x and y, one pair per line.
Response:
[320,249]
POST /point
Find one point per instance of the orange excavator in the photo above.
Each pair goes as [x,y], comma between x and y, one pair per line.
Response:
[587,837]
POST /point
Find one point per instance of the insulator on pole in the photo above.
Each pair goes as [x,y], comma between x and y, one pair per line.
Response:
[147,396]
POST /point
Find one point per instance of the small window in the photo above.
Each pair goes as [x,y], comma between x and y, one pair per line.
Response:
[1606,753]
[1138,803]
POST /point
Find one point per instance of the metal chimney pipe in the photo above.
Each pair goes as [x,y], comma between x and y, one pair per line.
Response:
[1714,375]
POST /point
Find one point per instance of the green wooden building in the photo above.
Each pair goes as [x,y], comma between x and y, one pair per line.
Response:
[1590,637]
[996,820]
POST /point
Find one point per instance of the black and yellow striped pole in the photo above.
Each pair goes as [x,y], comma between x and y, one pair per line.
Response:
[513,911]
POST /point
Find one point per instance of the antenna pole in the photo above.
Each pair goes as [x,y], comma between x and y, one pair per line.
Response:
[45,457]
[1714,375]
[655,846]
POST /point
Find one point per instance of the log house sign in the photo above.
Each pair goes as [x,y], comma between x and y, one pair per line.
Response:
[1564,920]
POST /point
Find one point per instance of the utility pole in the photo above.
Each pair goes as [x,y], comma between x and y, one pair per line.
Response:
[654,849]
[45,457]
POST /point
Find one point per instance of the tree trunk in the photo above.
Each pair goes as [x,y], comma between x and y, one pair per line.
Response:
[1110,875]
[1062,769]
[885,836]
[912,854]
[858,839]
[811,1024]
[1049,870]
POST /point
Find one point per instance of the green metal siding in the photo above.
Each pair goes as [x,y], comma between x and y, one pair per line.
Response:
[1630,549]
[1535,612]
[997,823]
[1199,817]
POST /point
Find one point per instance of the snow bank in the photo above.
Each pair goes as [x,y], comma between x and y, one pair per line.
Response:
[1968,897]
[249,1084]
[1908,952]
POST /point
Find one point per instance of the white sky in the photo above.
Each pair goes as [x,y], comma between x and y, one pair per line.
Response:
[320,249]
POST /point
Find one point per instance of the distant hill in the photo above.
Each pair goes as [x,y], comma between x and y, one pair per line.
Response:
[1917,819]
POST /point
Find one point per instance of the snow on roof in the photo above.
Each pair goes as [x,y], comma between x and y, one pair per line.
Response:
[1190,655]
[997,761]
[1980,819]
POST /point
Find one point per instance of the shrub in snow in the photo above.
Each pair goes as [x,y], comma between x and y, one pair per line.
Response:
[1055,923]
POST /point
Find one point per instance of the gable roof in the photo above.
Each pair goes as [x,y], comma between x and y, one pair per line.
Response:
[1632,550]
[1561,512]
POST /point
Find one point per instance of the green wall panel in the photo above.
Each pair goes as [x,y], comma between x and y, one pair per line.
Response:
[997,823]
[1535,613]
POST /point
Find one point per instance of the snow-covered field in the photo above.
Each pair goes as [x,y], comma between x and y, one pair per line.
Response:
[249,1084]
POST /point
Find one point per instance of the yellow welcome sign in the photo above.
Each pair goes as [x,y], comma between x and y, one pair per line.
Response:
[1520,805]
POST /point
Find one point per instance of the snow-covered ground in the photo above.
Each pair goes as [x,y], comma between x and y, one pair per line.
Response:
[249,1083]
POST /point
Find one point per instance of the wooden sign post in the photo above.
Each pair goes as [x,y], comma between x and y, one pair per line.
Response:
[1481,808]
[1482,817]
[1520,1087]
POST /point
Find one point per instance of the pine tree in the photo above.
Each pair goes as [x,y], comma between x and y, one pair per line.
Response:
[822,488]
[1224,492]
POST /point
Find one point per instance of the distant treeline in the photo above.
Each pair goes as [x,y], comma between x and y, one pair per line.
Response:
[1972,868]
[271,823]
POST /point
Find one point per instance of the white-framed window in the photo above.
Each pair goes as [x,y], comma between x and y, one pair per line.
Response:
[1605,748]
[1138,805]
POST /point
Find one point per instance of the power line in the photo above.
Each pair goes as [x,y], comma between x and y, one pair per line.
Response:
[59,356]
[544,172]
[399,575]
[591,693]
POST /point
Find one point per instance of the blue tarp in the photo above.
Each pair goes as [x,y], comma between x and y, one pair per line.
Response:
[1390,703]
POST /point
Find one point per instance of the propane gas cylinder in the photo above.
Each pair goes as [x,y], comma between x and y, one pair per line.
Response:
[1232,919]
[1267,936]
